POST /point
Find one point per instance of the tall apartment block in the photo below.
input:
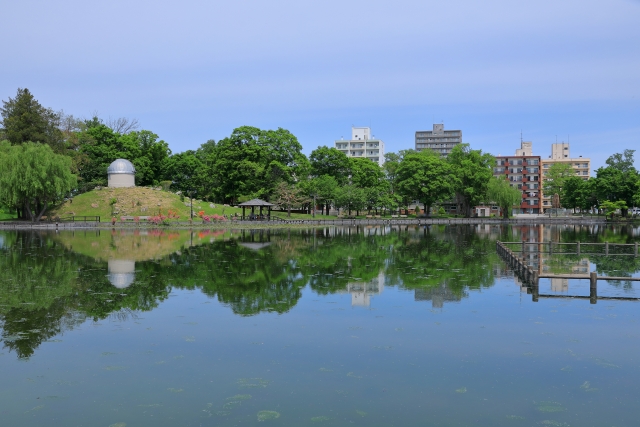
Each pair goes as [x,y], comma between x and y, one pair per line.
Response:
[560,153]
[523,171]
[438,139]
[362,144]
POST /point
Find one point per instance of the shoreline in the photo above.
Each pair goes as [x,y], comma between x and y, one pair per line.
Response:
[297,223]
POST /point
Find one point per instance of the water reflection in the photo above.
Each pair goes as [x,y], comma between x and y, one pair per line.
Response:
[50,283]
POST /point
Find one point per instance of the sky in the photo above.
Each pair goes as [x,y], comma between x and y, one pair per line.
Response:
[190,71]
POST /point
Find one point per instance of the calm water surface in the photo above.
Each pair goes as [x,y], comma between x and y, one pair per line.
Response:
[330,327]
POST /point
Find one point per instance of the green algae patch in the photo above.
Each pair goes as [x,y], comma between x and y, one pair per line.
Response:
[514,417]
[550,407]
[320,419]
[461,390]
[361,413]
[175,390]
[586,386]
[268,415]
[240,397]
[252,383]
[118,425]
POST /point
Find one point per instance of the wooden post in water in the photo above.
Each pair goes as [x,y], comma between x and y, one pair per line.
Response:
[606,248]
[578,248]
[593,287]
[635,249]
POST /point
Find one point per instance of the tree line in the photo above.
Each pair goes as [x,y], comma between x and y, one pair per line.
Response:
[46,156]
[616,186]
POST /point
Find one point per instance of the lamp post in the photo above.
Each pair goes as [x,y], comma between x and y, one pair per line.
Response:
[191,202]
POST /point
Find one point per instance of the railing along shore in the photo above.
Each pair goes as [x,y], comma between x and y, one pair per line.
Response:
[79,223]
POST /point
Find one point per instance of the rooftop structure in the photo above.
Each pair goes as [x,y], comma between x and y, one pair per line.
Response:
[362,144]
[523,171]
[561,153]
[121,173]
[439,140]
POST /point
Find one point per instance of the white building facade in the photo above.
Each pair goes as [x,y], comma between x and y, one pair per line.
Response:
[362,144]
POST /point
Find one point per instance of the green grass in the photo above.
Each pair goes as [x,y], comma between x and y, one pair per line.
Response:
[4,215]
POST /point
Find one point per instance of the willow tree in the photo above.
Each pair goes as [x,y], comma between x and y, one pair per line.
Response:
[500,191]
[32,177]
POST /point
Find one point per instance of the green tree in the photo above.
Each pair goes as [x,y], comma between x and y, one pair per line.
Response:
[555,177]
[622,161]
[184,171]
[32,177]
[24,120]
[288,196]
[473,171]
[331,162]
[503,194]
[324,187]
[351,198]
[425,177]
[572,192]
[615,185]
[102,145]
[251,162]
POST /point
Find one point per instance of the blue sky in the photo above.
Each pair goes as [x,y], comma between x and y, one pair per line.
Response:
[194,70]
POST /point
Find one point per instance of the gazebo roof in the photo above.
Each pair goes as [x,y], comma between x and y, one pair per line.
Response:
[255,202]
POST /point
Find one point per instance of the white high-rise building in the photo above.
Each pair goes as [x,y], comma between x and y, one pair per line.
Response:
[362,144]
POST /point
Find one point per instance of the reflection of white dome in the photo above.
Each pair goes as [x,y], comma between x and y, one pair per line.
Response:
[121,273]
[121,166]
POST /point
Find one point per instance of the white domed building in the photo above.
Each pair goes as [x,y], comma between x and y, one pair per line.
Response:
[121,173]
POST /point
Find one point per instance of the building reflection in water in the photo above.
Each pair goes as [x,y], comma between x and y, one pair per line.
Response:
[121,272]
[361,292]
[438,295]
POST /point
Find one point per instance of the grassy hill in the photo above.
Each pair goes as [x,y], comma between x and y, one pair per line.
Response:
[138,201]
[142,201]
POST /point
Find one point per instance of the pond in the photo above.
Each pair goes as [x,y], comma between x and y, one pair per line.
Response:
[369,326]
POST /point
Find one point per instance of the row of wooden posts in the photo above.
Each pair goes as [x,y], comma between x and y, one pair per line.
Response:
[578,246]
[531,277]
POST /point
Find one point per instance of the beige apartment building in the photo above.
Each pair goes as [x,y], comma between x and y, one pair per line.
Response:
[560,153]
[439,140]
[362,144]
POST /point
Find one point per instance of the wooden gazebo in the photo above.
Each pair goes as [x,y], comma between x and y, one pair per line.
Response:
[253,204]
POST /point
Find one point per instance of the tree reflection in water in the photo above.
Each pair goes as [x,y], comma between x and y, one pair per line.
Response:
[50,283]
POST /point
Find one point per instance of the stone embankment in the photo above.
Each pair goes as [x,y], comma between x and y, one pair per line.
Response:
[533,220]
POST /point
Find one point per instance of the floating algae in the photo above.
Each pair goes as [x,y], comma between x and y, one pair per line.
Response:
[36,408]
[232,404]
[605,363]
[461,390]
[361,413]
[118,425]
[319,419]
[175,390]
[108,353]
[550,407]
[586,386]
[553,423]
[189,339]
[326,370]
[352,375]
[268,415]
[240,397]
[252,383]
[514,417]
[152,405]
[114,368]
[567,369]
[222,413]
